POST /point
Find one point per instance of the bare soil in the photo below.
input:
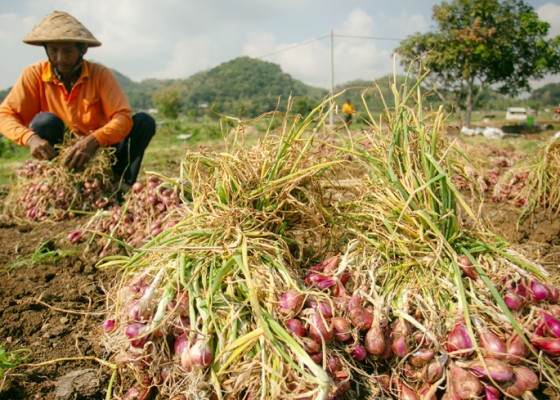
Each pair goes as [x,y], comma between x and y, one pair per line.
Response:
[55,309]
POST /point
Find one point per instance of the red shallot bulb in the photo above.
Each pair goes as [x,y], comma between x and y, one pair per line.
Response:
[406,393]
[433,371]
[134,332]
[137,311]
[137,394]
[359,352]
[538,291]
[553,294]
[492,393]
[516,349]
[181,343]
[333,364]
[374,340]
[342,329]
[490,368]
[401,327]
[295,326]
[467,267]
[361,318]
[465,384]
[310,346]
[75,236]
[459,339]
[109,325]
[547,344]
[513,301]
[526,376]
[421,357]
[492,343]
[324,309]
[291,302]
[400,346]
[200,354]
[552,324]
[524,380]
[319,329]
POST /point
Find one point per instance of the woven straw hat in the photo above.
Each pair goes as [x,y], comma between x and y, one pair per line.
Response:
[60,27]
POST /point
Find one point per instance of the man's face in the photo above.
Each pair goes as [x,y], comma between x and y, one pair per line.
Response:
[63,55]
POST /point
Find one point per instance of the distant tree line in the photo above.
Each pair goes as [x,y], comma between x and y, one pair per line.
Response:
[247,88]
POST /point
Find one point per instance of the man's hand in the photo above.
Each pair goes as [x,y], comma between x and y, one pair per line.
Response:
[40,148]
[80,153]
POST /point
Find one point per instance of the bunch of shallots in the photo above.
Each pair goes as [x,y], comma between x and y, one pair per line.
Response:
[340,326]
[148,208]
[48,191]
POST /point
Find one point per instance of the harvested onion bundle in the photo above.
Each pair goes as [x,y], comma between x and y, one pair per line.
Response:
[196,312]
[148,208]
[48,191]
[533,185]
[343,321]
[415,262]
[416,306]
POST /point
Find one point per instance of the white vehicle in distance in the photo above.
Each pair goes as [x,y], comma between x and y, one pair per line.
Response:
[516,114]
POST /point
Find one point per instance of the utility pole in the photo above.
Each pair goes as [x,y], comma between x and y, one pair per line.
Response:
[331,116]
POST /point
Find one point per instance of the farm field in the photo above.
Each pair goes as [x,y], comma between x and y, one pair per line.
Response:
[54,298]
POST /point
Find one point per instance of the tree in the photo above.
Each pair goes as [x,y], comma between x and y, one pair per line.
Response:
[482,43]
[168,102]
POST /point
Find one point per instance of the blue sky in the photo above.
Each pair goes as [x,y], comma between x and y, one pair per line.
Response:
[178,38]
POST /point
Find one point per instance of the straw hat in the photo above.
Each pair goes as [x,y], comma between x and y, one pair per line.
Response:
[60,27]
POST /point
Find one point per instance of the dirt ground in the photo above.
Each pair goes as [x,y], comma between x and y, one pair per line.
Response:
[55,309]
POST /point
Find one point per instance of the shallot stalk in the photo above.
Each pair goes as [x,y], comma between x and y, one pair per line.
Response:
[144,301]
[166,299]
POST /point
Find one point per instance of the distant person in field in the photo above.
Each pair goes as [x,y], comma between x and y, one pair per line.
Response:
[349,110]
[68,93]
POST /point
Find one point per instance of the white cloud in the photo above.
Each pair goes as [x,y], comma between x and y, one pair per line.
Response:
[189,56]
[177,38]
[356,53]
[550,13]
[259,44]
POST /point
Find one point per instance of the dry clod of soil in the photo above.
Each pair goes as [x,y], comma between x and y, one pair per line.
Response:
[77,384]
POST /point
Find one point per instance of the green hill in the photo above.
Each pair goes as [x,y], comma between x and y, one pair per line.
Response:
[245,88]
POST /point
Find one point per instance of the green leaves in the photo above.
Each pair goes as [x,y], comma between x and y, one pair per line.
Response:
[483,42]
[11,359]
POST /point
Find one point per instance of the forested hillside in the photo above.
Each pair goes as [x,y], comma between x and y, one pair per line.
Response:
[246,88]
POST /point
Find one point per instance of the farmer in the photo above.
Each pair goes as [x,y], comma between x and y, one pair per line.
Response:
[348,110]
[68,93]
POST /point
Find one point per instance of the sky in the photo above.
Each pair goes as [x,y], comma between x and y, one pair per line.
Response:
[318,42]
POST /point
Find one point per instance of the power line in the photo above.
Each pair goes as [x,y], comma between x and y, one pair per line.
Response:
[310,41]
[293,47]
[369,37]
[331,36]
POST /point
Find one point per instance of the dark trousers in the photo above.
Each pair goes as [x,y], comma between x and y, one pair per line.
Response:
[129,152]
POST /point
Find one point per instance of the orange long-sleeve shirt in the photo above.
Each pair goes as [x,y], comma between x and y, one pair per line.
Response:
[95,106]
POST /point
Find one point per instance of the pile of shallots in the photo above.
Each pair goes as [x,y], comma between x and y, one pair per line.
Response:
[148,208]
[348,331]
[48,191]
[187,349]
